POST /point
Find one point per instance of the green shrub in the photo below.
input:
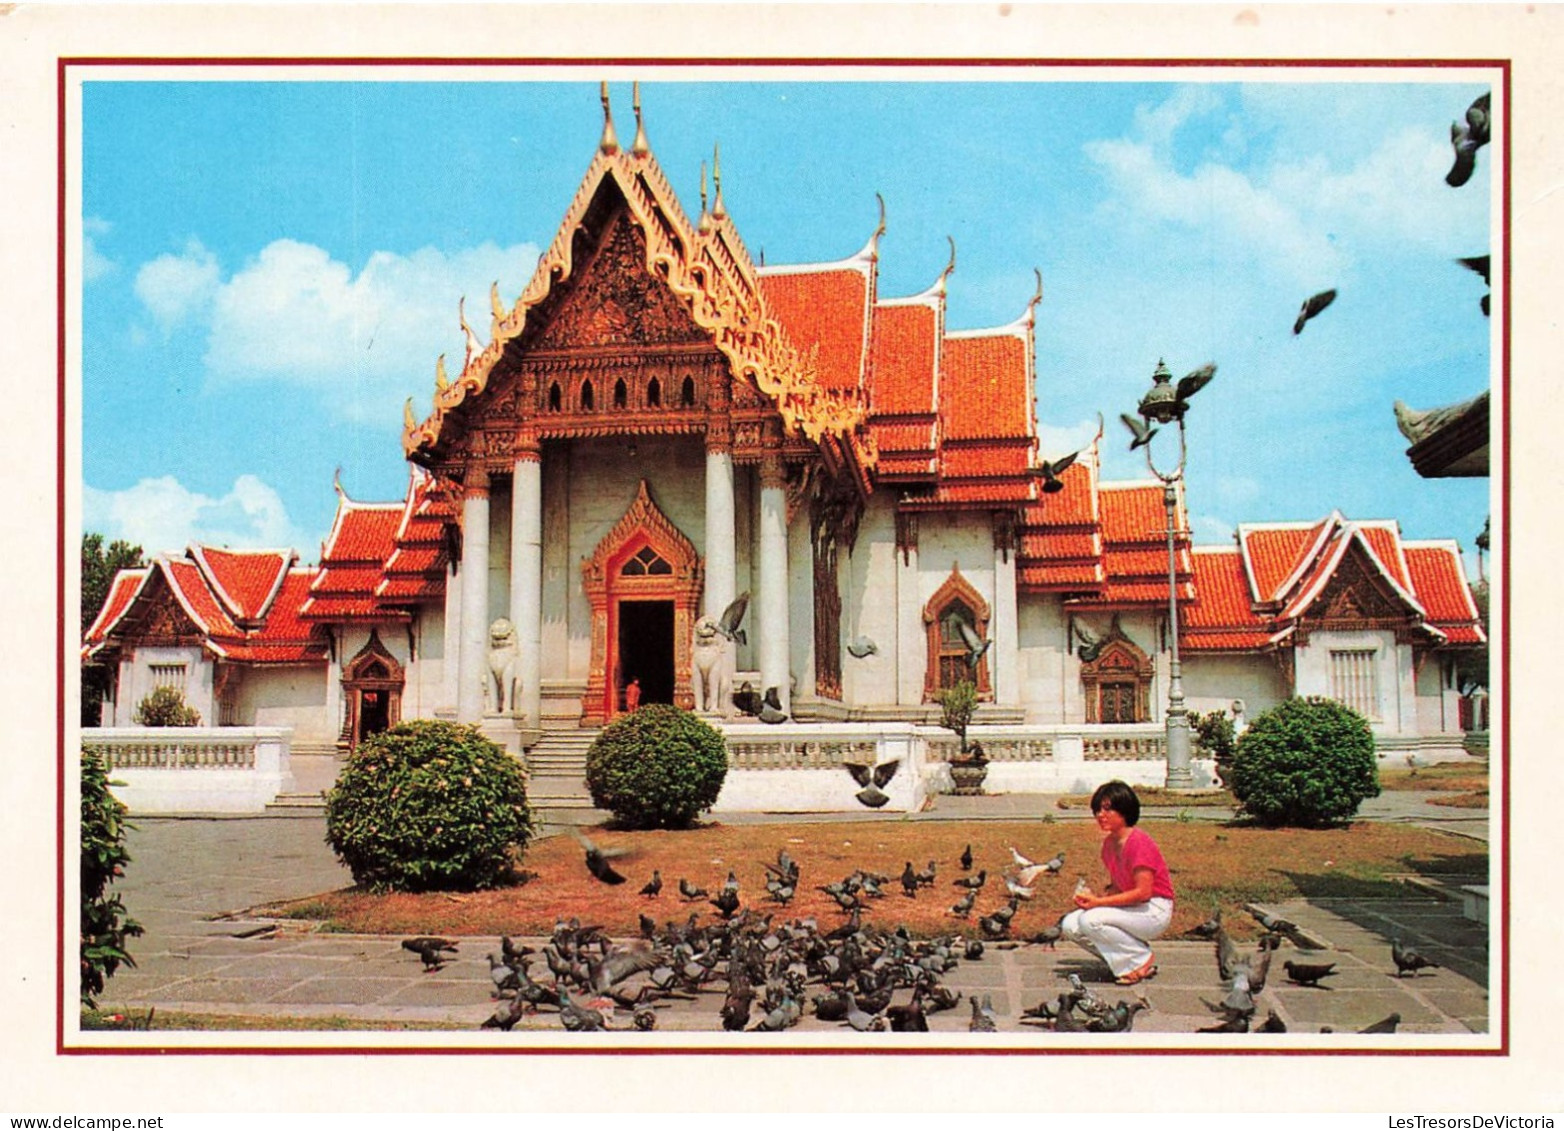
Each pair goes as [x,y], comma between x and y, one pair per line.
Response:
[1214,737]
[1305,763]
[105,926]
[429,806]
[657,767]
[166,707]
[957,705]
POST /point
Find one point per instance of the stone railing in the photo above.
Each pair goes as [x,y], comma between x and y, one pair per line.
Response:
[1138,744]
[194,769]
[785,753]
[998,745]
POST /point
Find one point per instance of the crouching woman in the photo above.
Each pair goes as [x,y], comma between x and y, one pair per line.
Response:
[1137,904]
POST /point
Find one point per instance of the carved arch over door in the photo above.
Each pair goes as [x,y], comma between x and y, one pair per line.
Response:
[372,683]
[617,571]
[1117,682]
[947,664]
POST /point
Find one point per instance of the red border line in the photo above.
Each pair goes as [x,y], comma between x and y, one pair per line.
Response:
[64,63]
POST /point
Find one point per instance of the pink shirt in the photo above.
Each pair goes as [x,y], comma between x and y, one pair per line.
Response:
[1138,851]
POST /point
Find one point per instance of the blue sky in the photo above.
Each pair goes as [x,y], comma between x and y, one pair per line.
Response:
[271,268]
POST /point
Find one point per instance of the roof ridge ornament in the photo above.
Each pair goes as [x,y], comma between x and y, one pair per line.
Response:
[640,147]
[704,224]
[949,267]
[871,250]
[1037,297]
[473,346]
[718,211]
[610,142]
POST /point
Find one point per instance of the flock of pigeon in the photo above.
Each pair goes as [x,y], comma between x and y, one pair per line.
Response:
[771,974]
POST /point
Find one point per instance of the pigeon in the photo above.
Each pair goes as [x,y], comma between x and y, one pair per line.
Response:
[690,892]
[973,883]
[976,645]
[909,1018]
[617,965]
[503,976]
[1236,1024]
[865,1022]
[1029,873]
[771,708]
[727,902]
[648,925]
[644,1018]
[973,951]
[1120,1018]
[1017,890]
[926,877]
[1272,1024]
[966,859]
[873,779]
[513,952]
[1048,936]
[1406,959]
[654,886]
[983,1019]
[1021,862]
[597,862]
[1049,473]
[1141,431]
[1308,973]
[909,881]
[736,1006]
[1479,264]
[1209,928]
[732,617]
[833,1006]
[861,647]
[431,950]
[506,1014]
[1312,306]
[1384,1025]
[577,1018]
[1192,382]
[1091,645]
[1467,139]
[963,907]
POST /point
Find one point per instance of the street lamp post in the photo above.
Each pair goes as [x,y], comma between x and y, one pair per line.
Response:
[1164,404]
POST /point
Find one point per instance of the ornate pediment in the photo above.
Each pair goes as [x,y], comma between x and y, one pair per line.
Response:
[615,301]
[160,619]
[1357,594]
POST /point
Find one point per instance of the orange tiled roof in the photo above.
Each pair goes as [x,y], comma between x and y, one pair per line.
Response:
[352,562]
[245,581]
[1061,534]
[123,590]
[825,310]
[286,637]
[1440,582]
[1223,619]
[985,387]
[1134,538]
[190,587]
[903,358]
[416,569]
[1273,553]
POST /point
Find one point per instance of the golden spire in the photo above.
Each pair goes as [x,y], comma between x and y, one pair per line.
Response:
[441,381]
[705,221]
[610,143]
[717,210]
[1038,296]
[949,267]
[409,422]
[641,147]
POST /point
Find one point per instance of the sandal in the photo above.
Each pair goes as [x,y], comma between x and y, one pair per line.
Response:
[1145,973]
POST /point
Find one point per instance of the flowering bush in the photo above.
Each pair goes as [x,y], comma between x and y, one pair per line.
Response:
[104,924]
[429,806]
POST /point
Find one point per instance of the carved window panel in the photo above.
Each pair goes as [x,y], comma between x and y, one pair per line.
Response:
[588,398]
[621,394]
[687,393]
[1117,683]
[654,394]
[955,601]
[555,397]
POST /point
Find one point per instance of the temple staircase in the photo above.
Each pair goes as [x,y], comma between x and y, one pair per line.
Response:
[556,788]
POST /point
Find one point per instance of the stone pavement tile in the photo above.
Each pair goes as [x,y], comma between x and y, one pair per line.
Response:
[332,990]
[438,991]
[284,966]
[1355,1010]
[980,975]
[217,990]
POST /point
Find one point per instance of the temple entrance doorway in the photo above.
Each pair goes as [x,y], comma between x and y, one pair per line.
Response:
[645,650]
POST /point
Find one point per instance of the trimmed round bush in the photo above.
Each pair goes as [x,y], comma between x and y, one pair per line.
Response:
[1305,763]
[165,707]
[429,806]
[657,767]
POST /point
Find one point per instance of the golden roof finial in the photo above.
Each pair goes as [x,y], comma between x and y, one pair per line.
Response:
[716,179]
[1038,296]
[705,221]
[336,476]
[879,231]
[441,381]
[641,147]
[610,143]
[949,267]
[409,422]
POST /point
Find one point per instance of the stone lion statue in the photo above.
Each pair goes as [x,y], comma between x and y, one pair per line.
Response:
[712,674]
[499,689]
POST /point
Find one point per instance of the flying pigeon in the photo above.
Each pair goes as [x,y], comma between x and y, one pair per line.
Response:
[771,708]
[861,647]
[1467,139]
[654,886]
[431,950]
[597,862]
[1479,264]
[1018,890]
[1091,646]
[1030,872]
[1193,381]
[873,779]
[1142,431]
[1312,306]
[732,617]
[1406,959]
[976,645]
[1049,473]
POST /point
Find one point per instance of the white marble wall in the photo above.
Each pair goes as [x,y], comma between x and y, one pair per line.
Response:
[293,696]
[1397,696]
[136,682]
[1211,683]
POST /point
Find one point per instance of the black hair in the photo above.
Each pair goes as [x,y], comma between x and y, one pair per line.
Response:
[1119,797]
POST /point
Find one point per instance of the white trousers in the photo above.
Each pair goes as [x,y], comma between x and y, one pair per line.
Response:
[1119,935]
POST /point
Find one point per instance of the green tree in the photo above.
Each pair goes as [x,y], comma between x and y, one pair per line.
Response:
[1472,668]
[105,926]
[957,705]
[166,707]
[98,567]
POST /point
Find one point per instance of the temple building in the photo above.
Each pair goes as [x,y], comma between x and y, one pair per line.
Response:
[658,427]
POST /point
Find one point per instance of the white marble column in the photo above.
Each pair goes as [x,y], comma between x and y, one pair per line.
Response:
[450,690]
[1003,627]
[773,627]
[721,555]
[475,597]
[526,584]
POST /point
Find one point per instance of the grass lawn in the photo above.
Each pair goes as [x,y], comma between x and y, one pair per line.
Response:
[128,1020]
[1212,864]
[1442,777]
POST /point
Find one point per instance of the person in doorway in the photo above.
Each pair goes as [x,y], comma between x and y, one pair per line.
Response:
[1137,904]
[632,695]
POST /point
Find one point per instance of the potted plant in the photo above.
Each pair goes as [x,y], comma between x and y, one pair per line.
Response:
[969,768]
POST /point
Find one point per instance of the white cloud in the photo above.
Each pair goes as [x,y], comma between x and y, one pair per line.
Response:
[1209,530]
[1055,442]
[176,287]
[94,264]
[162,515]
[366,341]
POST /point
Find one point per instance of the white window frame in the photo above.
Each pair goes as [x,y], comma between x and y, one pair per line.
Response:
[176,675]
[1354,680]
